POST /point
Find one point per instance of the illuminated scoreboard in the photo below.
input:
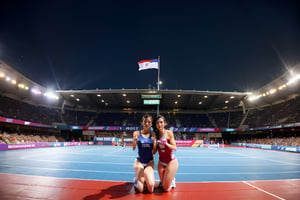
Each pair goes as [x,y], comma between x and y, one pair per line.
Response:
[151,96]
[151,101]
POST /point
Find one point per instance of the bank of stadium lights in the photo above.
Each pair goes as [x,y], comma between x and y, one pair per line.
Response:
[291,82]
[36,91]
[23,86]
[51,95]
[14,82]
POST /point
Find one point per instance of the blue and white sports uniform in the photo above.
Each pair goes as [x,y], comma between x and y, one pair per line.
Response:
[145,146]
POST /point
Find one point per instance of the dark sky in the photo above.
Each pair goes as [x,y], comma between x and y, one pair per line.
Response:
[230,45]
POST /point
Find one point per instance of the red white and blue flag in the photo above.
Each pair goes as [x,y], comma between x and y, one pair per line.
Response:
[148,64]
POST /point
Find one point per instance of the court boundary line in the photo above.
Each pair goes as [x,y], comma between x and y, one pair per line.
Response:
[269,193]
[116,163]
[255,157]
[114,172]
[131,181]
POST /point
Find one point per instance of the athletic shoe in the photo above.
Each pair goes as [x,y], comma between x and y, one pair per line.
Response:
[173,184]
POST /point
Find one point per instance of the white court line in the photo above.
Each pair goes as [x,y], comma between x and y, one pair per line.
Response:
[71,170]
[81,162]
[227,173]
[113,152]
[51,153]
[255,157]
[269,193]
[123,163]
[114,172]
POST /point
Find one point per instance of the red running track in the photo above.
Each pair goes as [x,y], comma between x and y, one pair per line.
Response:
[39,187]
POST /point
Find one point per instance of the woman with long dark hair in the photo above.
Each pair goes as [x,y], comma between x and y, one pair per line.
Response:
[164,143]
[144,163]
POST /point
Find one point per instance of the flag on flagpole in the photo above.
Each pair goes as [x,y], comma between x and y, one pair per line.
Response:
[148,64]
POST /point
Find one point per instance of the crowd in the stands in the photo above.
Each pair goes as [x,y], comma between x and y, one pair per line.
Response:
[15,138]
[283,113]
[287,141]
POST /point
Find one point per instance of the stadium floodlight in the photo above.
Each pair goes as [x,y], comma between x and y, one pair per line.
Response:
[36,91]
[293,79]
[14,82]
[21,85]
[272,91]
[253,98]
[51,95]
[2,75]
[7,78]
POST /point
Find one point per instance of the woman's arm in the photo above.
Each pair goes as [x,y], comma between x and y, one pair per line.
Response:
[172,144]
[154,143]
[135,139]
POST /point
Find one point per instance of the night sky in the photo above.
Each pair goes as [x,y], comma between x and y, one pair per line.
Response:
[230,45]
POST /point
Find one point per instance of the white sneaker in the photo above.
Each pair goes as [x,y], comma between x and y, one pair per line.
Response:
[173,184]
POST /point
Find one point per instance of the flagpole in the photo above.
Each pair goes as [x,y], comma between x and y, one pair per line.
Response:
[158,72]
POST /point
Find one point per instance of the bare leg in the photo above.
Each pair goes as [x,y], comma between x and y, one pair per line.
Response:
[169,174]
[139,172]
[161,171]
[149,176]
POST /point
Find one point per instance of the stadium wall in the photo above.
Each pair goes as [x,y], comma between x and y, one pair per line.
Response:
[41,145]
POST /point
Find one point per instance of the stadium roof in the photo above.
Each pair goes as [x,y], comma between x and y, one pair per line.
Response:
[169,100]
[131,100]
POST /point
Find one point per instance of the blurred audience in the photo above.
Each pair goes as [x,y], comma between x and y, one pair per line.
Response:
[288,141]
[15,138]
